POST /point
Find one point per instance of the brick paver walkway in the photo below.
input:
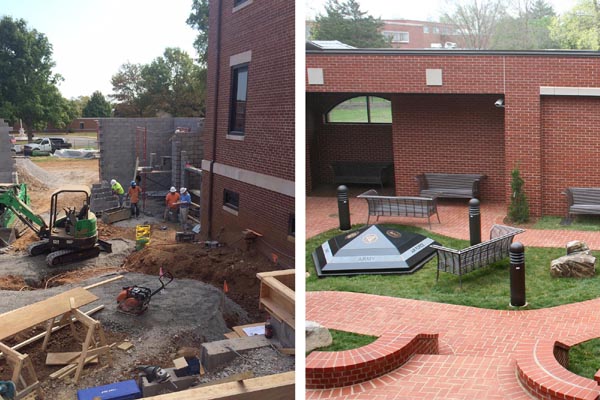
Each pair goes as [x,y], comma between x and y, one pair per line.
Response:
[477,346]
[321,215]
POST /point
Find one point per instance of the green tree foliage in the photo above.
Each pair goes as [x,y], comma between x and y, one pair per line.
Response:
[198,20]
[171,84]
[344,21]
[476,20]
[128,88]
[97,106]
[527,29]
[518,210]
[578,28]
[28,88]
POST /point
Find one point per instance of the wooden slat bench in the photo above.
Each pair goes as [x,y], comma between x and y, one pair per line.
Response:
[460,262]
[345,172]
[399,206]
[449,185]
[583,201]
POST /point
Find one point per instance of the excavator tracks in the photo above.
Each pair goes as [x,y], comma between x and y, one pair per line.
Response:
[62,257]
[39,247]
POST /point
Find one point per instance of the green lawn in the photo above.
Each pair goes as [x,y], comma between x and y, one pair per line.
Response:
[584,359]
[579,223]
[347,341]
[485,288]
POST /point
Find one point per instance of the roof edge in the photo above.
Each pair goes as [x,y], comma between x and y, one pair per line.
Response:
[455,52]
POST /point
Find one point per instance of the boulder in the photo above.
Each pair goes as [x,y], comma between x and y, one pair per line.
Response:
[578,265]
[577,246]
[317,336]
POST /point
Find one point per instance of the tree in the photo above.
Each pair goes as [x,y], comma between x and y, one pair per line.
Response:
[174,84]
[518,210]
[97,106]
[476,20]
[578,28]
[128,88]
[198,20]
[344,21]
[528,29]
[170,84]
[28,88]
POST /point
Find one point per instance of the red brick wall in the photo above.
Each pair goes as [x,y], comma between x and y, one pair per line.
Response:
[569,161]
[517,78]
[262,211]
[452,134]
[266,28]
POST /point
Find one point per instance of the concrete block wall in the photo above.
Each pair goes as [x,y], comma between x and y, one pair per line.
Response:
[7,163]
[119,146]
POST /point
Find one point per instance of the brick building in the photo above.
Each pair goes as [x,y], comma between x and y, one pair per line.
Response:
[248,164]
[444,118]
[410,34]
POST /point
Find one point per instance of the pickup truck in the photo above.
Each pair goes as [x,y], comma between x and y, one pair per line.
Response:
[45,145]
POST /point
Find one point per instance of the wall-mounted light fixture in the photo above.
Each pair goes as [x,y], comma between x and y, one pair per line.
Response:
[499,103]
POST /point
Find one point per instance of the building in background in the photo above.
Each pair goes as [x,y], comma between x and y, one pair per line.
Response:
[408,34]
[248,164]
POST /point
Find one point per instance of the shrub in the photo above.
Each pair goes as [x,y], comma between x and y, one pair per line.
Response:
[518,211]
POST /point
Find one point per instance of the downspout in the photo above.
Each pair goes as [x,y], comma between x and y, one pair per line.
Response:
[215,119]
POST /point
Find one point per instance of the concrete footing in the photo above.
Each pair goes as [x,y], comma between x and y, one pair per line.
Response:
[215,354]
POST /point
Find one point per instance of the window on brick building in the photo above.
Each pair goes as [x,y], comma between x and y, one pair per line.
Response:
[396,37]
[425,29]
[361,110]
[292,225]
[81,125]
[231,199]
[238,2]
[237,111]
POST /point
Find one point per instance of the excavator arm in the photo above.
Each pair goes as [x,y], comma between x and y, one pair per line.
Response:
[9,197]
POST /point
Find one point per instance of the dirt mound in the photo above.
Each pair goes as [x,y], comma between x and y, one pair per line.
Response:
[212,266]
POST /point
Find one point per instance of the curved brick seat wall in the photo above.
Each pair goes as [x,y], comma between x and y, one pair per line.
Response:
[541,368]
[329,369]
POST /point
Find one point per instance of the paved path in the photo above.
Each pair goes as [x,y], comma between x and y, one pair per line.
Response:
[321,215]
[477,346]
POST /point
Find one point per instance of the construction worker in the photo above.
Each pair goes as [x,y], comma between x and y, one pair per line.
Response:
[133,194]
[184,206]
[117,190]
[170,204]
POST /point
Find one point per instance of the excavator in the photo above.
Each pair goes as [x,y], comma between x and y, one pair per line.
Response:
[67,237]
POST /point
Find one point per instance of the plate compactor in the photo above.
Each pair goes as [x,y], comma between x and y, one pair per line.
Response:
[135,299]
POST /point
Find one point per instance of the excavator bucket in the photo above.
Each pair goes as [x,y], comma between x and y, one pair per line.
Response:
[7,236]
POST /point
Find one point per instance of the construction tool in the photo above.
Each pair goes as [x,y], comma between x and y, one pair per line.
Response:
[135,299]
[156,374]
[8,390]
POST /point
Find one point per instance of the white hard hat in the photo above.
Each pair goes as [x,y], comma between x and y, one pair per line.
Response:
[112,182]
[182,190]
[173,190]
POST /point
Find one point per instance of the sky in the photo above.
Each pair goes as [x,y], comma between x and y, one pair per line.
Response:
[91,39]
[421,10]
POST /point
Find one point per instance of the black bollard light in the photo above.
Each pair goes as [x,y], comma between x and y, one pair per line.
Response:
[474,222]
[517,275]
[343,207]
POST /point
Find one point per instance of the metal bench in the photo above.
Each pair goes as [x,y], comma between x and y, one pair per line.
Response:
[582,201]
[398,206]
[449,185]
[460,262]
[345,172]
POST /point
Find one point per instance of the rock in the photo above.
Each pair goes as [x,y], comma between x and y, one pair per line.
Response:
[578,265]
[317,336]
[577,246]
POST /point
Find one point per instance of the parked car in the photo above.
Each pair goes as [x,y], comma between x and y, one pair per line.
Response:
[59,143]
[46,145]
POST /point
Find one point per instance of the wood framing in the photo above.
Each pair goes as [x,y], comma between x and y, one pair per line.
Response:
[24,376]
[271,387]
[276,297]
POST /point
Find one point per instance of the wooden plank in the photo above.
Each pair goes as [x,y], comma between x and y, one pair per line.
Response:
[64,358]
[125,346]
[231,378]
[278,312]
[180,363]
[271,387]
[231,335]
[41,335]
[34,314]
[114,278]
[274,284]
